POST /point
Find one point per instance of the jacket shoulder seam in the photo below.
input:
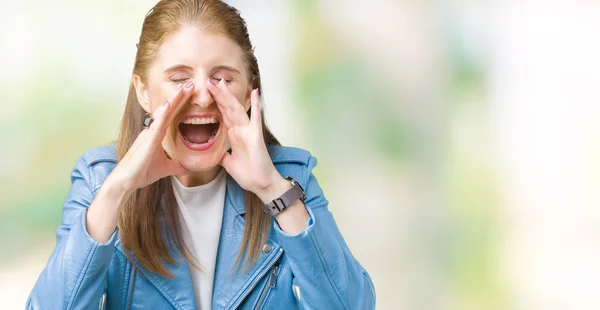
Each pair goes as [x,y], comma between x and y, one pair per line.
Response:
[289,155]
[89,179]
[100,154]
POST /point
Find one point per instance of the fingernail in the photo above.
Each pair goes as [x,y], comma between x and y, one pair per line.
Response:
[212,82]
[178,87]
[165,102]
[222,81]
[189,84]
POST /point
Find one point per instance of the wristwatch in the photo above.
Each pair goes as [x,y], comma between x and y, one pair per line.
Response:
[288,198]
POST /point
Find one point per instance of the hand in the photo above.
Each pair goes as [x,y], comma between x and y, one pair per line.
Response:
[249,162]
[146,162]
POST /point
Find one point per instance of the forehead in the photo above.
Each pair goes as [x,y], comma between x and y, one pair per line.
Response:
[199,49]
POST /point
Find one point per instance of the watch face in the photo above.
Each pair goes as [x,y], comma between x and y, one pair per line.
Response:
[294,183]
[299,186]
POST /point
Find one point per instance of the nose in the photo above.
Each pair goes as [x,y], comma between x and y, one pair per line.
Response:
[202,97]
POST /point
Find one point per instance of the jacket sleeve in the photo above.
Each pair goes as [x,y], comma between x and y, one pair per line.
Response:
[76,271]
[326,275]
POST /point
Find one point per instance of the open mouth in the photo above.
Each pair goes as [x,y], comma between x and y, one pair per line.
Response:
[198,132]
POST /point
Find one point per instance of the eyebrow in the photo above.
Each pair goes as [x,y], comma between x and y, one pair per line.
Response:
[215,68]
[226,68]
[178,67]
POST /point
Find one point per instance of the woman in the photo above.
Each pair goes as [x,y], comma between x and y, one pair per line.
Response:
[155,222]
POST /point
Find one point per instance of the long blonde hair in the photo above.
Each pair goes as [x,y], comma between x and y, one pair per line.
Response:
[150,214]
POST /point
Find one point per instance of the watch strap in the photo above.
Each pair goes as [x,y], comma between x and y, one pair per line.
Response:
[287,199]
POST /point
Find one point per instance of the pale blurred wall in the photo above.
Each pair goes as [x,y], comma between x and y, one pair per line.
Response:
[546,121]
[455,139]
[64,72]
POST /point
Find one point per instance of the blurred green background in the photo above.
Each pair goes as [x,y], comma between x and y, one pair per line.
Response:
[457,140]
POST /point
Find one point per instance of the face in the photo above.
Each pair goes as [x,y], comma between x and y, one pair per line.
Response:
[197,138]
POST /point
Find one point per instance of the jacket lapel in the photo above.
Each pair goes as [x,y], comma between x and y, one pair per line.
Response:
[179,290]
[232,285]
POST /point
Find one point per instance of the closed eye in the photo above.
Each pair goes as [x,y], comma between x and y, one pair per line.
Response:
[214,79]
[179,80]
[219,80]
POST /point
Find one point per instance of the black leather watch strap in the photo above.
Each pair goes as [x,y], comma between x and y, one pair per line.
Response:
[285,200]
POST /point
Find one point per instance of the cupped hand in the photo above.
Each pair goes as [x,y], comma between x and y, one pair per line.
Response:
[249,162]
[146,162]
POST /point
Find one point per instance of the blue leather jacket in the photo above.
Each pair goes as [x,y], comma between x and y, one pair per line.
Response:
[312,270]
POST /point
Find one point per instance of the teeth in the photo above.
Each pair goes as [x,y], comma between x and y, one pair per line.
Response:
[200,120]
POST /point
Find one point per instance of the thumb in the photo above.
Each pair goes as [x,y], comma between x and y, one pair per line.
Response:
[173,167]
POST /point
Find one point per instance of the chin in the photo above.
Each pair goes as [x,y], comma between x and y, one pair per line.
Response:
[201,162]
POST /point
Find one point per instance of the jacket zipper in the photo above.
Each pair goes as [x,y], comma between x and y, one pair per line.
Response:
[131,289]
[262,274]
[102,304]
[271,282]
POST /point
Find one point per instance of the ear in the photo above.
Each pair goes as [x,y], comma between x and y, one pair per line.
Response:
[142,93]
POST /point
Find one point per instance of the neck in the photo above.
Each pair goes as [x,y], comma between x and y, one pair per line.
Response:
[197,178]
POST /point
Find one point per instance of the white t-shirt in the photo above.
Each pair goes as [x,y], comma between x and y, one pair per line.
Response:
[201,214]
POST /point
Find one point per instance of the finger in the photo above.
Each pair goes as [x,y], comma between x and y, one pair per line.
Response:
[228,104]
[225,116]
[154,132]
[222,108]
[179,104]
[226,120]
[256,117]
[158,115]
[169,108]
[172,167]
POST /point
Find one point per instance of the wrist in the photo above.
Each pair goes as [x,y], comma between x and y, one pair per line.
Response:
[103,214]
[115,189]
[277,186]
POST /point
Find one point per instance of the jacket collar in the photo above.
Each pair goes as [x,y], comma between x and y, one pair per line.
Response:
[234,198]
[231,284]
[178,290]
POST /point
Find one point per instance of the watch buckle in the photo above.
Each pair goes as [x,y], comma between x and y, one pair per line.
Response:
[278,203]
